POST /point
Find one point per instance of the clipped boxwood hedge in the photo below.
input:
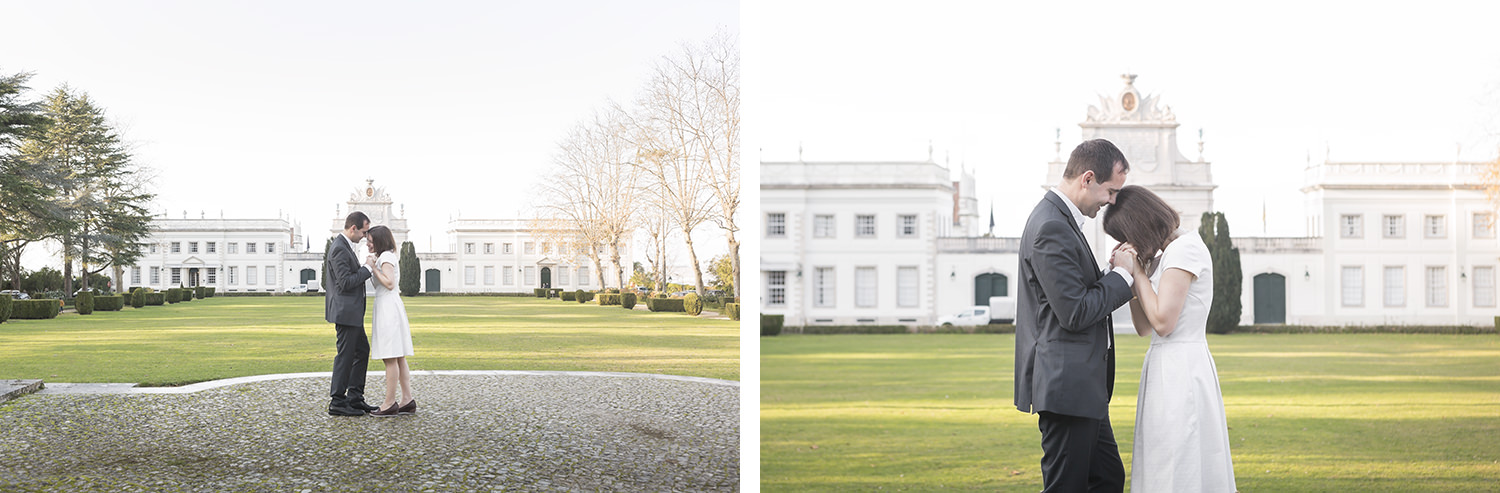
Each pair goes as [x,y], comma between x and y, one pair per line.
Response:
[199,292]
[34,309]
[692,304]
[173,295]
[664,304]
[138,297]
[569,296]
[84,304]
[5,307]
[156,299]
[770,325]
[733,310]
[609,299]
[210,292]
[539,292]
[627,301]
[109,303]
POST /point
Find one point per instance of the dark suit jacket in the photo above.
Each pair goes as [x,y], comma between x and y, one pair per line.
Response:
[344,302]
[1065,362]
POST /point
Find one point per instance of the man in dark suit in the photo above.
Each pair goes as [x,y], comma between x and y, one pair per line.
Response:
[1065,357]
[344,307]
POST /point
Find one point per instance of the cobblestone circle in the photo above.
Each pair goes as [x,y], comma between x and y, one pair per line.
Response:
[471,433]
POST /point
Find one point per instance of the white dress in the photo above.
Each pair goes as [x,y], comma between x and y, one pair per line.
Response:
[1181,438]
[390,334]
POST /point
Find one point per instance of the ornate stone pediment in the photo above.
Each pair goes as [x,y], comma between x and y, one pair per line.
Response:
[1130,106]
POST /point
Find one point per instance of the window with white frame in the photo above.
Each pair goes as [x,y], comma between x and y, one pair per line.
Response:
[1393,226]
[176,247]
[864,226]
[1351,226]
[823,283]
[192,247]
[776,225]
[906,226]
[1435,226]
[562,275]
[234,247]
[1437,286]
[864,287]
[1484,225]
[250,273]
[1484,286]
[489,275]
[155,276]
[583,276]
[530,247]
[823,226]
[776,287]
[135,276]
[234,276]
[1353,286]
[176,276]
[213,275]
[489,248]
[509,275]
[249,248]
[1395,286]
[530,278]
[508,248]
[469,275]
[906,287]
[270,248]
[213,247]
[153,248]
[270,275]
[468,248]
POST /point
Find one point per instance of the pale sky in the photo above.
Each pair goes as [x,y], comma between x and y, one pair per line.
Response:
[259,109]
[1270,83]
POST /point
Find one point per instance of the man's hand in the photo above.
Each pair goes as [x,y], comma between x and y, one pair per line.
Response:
[1125,256]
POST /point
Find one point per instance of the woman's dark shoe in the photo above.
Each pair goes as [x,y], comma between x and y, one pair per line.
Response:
[409,408]
[387,412]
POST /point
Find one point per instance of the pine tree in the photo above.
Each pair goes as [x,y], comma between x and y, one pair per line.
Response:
[411,267]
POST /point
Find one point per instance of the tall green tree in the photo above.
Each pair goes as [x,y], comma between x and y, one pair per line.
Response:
[28,212]
[723,269]
[1224,315]
[411,267]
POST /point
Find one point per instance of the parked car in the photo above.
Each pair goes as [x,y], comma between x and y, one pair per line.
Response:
[299,288]
[680,294]
[16,295]
[312,286]
[1001,310]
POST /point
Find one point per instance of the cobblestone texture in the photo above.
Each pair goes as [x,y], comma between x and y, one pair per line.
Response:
[471,433]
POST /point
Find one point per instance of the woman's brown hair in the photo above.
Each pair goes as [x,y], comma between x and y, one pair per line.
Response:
[1141,218]
[381,237]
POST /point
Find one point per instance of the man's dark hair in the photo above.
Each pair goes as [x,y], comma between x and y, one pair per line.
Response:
[356,218]
[1096,155]
[383,240]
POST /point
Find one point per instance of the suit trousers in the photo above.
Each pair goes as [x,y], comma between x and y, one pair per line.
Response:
[1079,454]
[349,365]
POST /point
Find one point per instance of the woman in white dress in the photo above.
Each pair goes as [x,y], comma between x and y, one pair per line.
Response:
[1181,437]
[390,334]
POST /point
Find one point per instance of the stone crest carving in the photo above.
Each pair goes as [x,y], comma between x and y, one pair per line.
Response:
[1130,106]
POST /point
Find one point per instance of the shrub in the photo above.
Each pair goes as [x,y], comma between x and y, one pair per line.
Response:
[664,305]
[156,299]
[539,292]
[661,295]
[569,296]
[138,297]
[174,295]
[692,304]
[730,299]
[733,310]
[579,296]
[770,325]
[199,291]
[210,292]
[5,305]
[612,291]
[84,303]
[125,298]
[627,300]
[608,299]
[411,270]
[109,303]
[34,309]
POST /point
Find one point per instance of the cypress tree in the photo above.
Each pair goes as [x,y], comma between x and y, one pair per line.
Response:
[411,267]
[1224,315]
[327,281]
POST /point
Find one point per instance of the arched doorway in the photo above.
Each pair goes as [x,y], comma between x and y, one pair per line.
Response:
[1270,299]
[192,278]
[308,275]
[546,277]
[987,285]
[434,281]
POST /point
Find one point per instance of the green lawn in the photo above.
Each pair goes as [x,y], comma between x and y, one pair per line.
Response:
[1306,412]
[230,337]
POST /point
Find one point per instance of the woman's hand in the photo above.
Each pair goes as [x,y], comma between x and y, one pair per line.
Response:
[1125,256]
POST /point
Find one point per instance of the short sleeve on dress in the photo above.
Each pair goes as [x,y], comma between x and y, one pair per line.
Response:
[388,258]
[1188,253]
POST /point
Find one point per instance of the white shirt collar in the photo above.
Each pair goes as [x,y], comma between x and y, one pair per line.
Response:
[347,240]
[1078,216]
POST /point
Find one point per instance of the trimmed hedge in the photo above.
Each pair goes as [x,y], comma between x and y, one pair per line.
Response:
[199,292]
[5,307]
[139,297]
[733,310]
[539,292]
[569,296]
[109,303]
[609,299]
[125,298]
[84,304]
[692,304]
[173,295]
[627,301]
[1361,329]
[554,293]
[770,325]
[34,309]
[856,329]
[156,299]
[210,292]
[664,304]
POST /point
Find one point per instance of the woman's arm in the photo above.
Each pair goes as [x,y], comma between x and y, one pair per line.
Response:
[386,275]
[1138,314]
[1162,309]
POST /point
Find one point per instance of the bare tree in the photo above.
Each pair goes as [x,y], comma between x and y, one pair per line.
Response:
[594,189]
[719,125]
